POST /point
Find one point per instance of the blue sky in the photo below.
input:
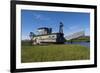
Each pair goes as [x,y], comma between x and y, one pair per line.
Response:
[73,21]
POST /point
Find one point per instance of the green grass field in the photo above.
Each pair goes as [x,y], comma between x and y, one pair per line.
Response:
[54,52]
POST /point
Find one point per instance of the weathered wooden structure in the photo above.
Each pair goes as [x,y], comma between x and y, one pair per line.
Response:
[45,35]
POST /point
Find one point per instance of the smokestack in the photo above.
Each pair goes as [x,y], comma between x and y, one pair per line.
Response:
[61,27]
[50,30]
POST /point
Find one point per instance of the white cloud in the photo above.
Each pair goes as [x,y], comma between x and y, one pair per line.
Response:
[25,37]
[73,29]
[40,17]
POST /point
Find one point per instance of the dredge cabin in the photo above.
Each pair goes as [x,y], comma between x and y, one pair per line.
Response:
[45,35]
